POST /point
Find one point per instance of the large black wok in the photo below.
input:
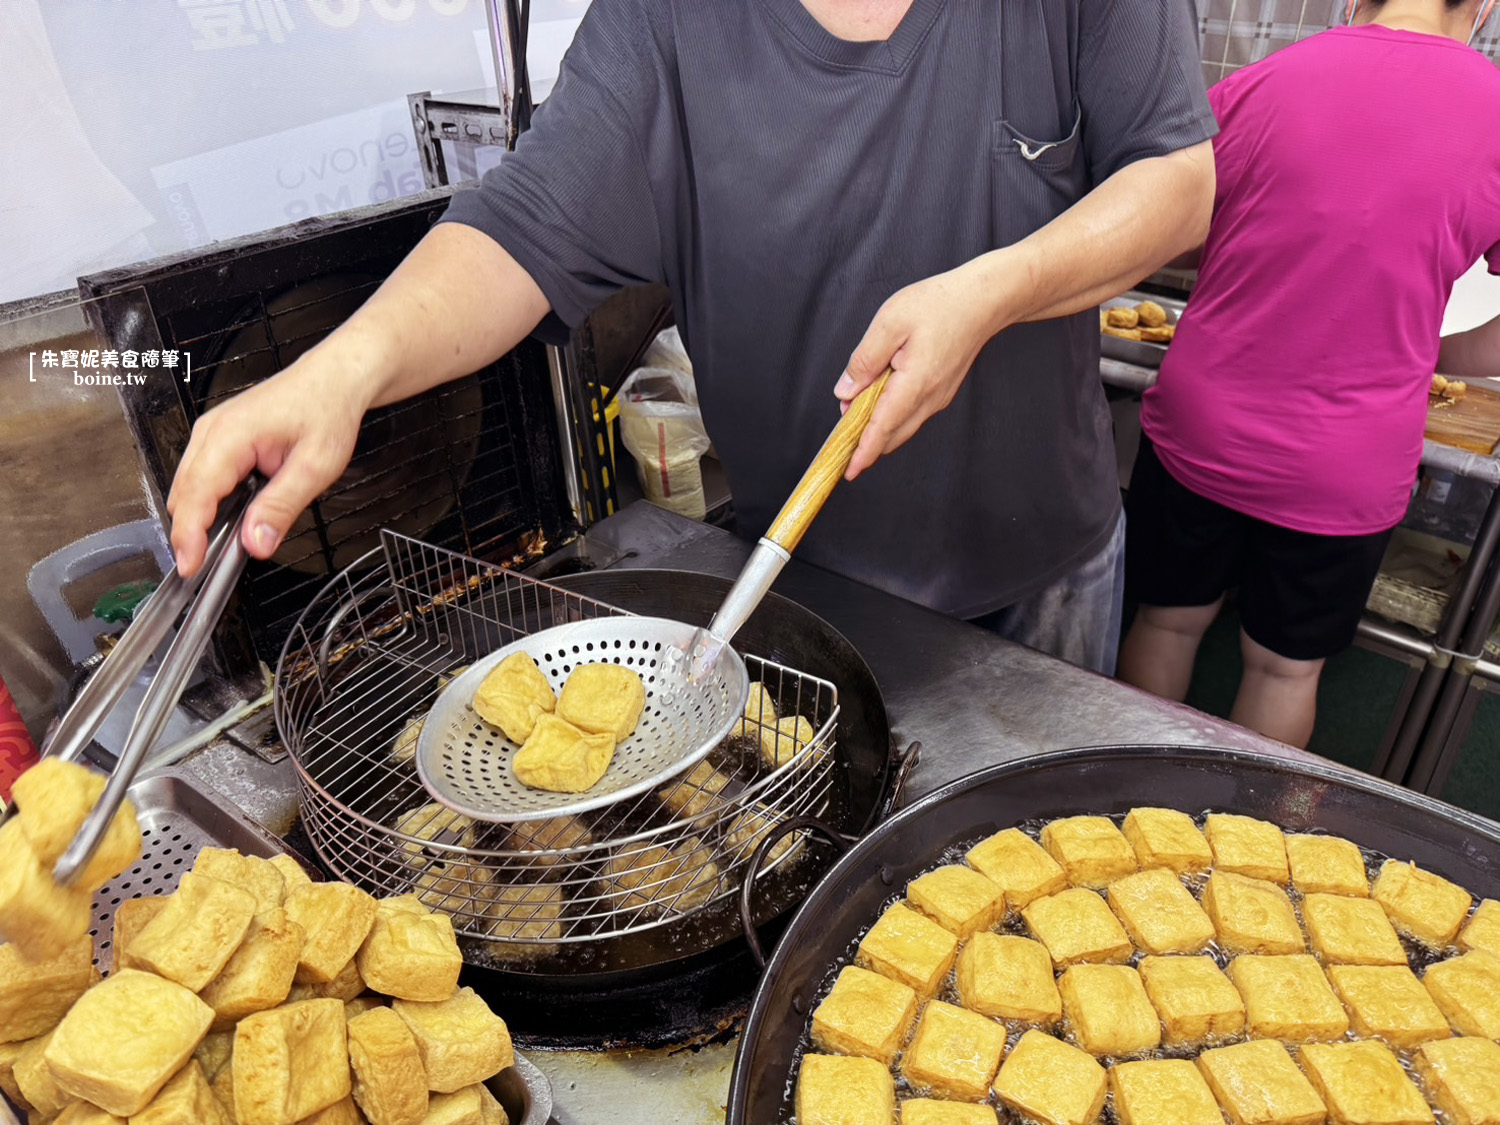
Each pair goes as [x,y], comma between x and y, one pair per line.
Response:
[1106,780]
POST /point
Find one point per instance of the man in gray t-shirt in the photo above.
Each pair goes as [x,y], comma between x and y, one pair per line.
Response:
[945,186]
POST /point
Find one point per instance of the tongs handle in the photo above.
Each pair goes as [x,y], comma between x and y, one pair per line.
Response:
[212,586]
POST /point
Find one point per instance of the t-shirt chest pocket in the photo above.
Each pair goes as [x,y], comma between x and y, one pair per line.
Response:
[1032,179]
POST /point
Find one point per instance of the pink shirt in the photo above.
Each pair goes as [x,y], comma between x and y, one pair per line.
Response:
[1358,177]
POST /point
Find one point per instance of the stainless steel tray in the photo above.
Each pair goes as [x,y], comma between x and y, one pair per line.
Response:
[1138,352]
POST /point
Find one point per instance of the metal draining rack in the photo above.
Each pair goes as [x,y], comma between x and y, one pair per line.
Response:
[364,664]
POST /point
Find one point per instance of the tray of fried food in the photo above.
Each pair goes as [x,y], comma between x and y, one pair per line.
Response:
[1137,327]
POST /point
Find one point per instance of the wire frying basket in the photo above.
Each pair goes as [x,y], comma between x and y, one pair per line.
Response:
[360,671]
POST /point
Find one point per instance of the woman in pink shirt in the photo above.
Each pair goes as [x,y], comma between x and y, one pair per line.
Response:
[1358,177]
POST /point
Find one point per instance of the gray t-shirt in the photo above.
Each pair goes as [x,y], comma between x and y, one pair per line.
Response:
[783,183]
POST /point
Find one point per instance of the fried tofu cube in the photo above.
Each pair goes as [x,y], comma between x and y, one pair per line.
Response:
[124,1038]
[341,1112]
[35,995]
[760,711]
[660,878]
[550,839]
[864,1014]
[362,1004]
[958,898]
[933,1111]
[954,1053]
[1463,1077]
[843,1090]
[1363,1084]
[290,1062]
[1193,997]
[197,932]
[462,1107]
[1424,905]
[1091,850]
[1251,915]
[603,699]
[908,947]
[37,915]
[1483,929]
[1326,865]
[513,696]
[411,956]
[259,975]
[461,1041]
[223,1091]
[131,917]
[1076,926]
[9,1053]
[1162,1092]
[437,824]
[185,1098]
[390,1085]
[336,919]
[1167,838]
[1159,914]
[1108,1010]
[1388,1002]
[214,1053]
[749,828]
[560,758]
[1288,998]
[1052,1081]
[1257,1083]
[344,987]
[1021,867]
[54,797]
[1246,846]
[293,874]
[1009,977]
[696,792]
[248,872]
[1351,931]
[520,911]
[781,742]
[39,1089]
[1467,989]
[83,1113]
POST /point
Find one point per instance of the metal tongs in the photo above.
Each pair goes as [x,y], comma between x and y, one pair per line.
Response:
[204,597]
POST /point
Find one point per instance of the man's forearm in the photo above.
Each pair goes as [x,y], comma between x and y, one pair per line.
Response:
[1474,354]
[1129,226]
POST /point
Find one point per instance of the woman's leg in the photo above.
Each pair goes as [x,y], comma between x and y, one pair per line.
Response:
[1278,696]
[1161,646]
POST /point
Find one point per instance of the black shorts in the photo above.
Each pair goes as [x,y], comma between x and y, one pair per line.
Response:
[1300,595]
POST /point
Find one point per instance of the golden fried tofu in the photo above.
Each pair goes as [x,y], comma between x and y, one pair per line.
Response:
[290,1062]
[54,797]
[341,1112]
[1108,1010]
[1167,838]
[1251,915]
[437,824]
[958,898]
[197,932]
[1467,989]
[1152,315]
[908,947]
[784,740]
[1122,333]
[934,1111]
[1159,914]
[844,1090]
[9,1053]
[1424,905]
[696,792]
[83,1113]
[1162,334]
[461,1107]
[185,1098]
[404,746]
[519,911]
[1162,1092]
[344,987]
[550,838]
[1351,931]
[513,696]
[1455,390]
[131,917]
[33,1077]
[1363,1084]
[35,995]
[362,1004]
[1122,318]
[1257,1083]
[1388,1002]
[248,872]
[223,1091]
[1326,865]
[864,1014]
[461,1041]
[37,915]
[760,711]
[1463,1077]
[454,888]
[124,1038]
[410,956]
[1288,998]
[336,918]
[680,877]
[259,974]
[1246,846]
[603,699]
[214,1053]
[1021,867]
[1010,978]
[293,874]
[390,1085]
[1051,1081]
[1483,928]
[954,1053]
[560,758]
[1193,997]
[1091,850]
[1076,926]
[749,828]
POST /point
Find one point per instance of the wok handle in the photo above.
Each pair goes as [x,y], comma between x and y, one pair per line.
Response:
[826,470]
[902,765]
[839,840]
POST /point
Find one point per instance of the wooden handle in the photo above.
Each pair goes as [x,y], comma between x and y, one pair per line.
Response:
[826,470]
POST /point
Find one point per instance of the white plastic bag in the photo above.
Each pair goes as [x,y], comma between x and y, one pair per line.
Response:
[667,351]
[661,426]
